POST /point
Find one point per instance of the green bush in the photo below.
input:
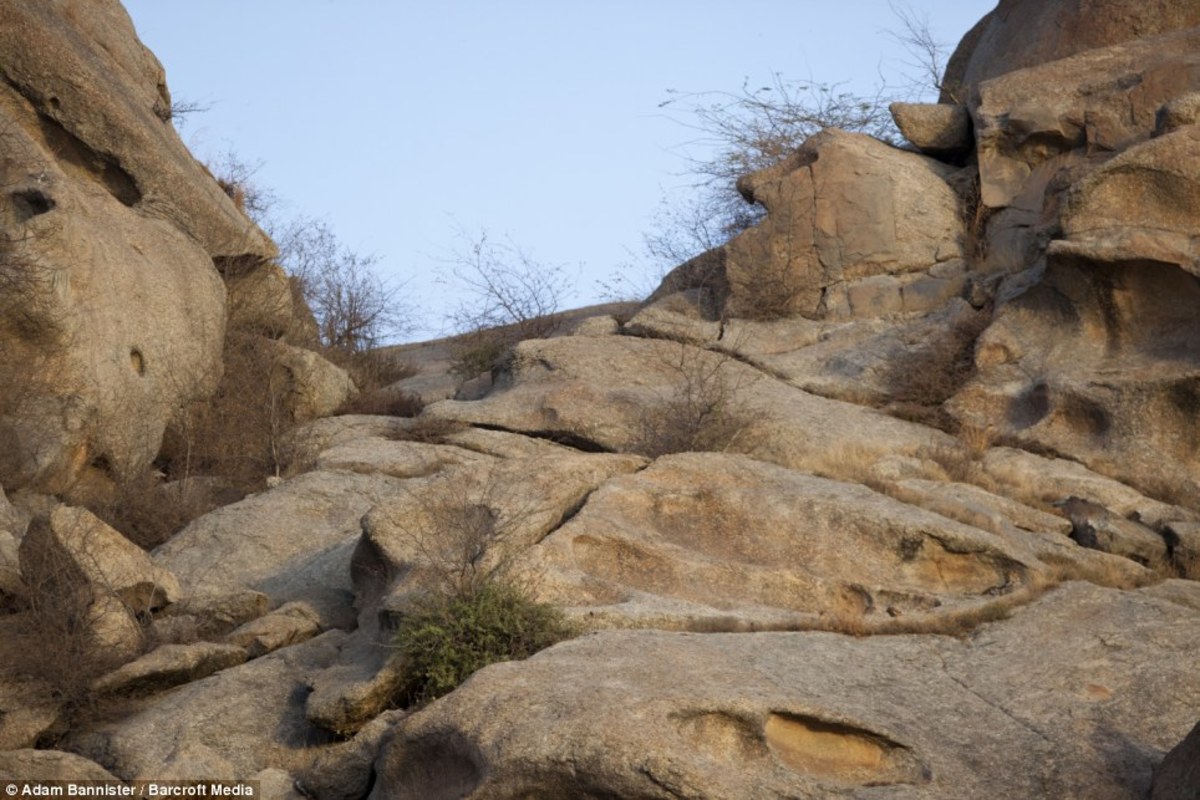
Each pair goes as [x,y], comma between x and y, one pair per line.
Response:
[447,638]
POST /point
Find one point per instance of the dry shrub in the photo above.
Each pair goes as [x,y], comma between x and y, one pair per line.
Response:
[429,430]
[470,611]
[384,403]
[55,637]
[148,513]
[921,384]
[238,433]
[512,298]
[371,369]
[702,412]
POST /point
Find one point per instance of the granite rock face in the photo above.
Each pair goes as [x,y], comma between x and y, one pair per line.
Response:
[104,212]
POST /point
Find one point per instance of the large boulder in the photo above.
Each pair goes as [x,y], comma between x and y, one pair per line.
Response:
[1032,123]
[73,548]
[1054,702]
[844,207]
[1141,206]
[247,717]
[1025,33]
[112,312]
[101,101]
[563,389]
[1178,776]
[708,541]
[1099,362]
[292,542]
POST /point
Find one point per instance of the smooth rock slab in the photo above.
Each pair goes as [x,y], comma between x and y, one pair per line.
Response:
[292,542]
[707,541]
[1054,702]
[250,716]
[169,665]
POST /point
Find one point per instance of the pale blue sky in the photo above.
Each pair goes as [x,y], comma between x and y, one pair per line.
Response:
[400,122]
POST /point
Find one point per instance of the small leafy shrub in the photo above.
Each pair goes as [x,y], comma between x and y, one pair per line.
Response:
[449,637]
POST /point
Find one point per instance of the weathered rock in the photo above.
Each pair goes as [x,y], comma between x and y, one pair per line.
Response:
[11,585]
[112,631]
[72,547]
[1024,33]
[604,325]
[398,459]
[1178,113]
[1178,776]
[261,300]
[29,712]
[307,441]
[289,624]
[416,540]
[292,542]
[1035,479]
[11,519]
[248,716]
[105,210]
[359,687]
[345,771]
[277,784]
[1097,362]
[312,387]
[49,765]
[191,761]
[208,616]
[915,361]
[1141,206]
[939,130]
[721,542]
[844,207]
[98,383]
[1054,702]
[169,665]
[1183,546]
[1032,123]
[1096,527]
[563,388]
[977,507]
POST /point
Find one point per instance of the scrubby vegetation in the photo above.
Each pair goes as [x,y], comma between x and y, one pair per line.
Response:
[447,638]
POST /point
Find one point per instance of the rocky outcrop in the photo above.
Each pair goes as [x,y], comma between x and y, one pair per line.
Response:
[561,388]
[1049,703]
[72,548]
[244,716]
[1024,33]
[99,92]
[112,310]
[845,207]
[721,542]
[939,130]
[1027,123]
[292,542]
[748,503]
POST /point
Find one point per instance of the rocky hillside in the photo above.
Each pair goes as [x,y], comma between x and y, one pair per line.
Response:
[895,495]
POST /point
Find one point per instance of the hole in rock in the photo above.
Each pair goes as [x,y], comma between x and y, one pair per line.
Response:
[839,752]
[30,203]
